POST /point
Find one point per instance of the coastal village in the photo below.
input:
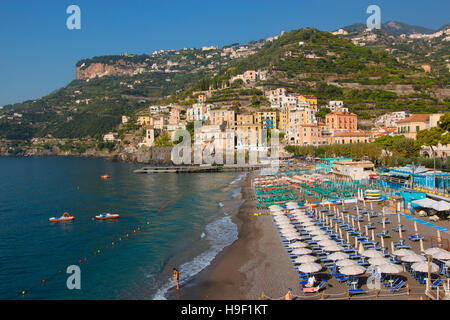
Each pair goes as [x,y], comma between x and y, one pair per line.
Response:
[343,140]
[293,116]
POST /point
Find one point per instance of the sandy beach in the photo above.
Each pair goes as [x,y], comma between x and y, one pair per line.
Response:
[257,262]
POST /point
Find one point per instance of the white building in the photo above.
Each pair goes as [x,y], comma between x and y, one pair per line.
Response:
[390,119]
[337,106]
[110,137]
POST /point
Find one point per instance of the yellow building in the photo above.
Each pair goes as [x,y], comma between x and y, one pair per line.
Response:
[312,100]
[219,116]
[248,136]
[143,120]
[244,119]
[267,119]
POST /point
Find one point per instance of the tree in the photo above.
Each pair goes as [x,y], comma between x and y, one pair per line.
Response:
[429,137]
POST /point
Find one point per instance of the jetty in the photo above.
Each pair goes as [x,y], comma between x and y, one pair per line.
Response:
[200,168]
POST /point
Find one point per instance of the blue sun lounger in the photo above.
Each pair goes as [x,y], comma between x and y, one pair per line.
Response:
[355,291]
[436,284]
[398,286]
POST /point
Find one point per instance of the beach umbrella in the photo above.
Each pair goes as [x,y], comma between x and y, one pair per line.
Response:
[312,228]
[305,259]
[320,237]
[422,266]
[413,258]
[289,231]
[372,253]
[403,252]
[431,251]
[326,243]
[298,244]
[442,255]
[300,251]
[373,235]
[390,268]
[352,270]
[309,224]
[293,237]
[283,224]
[318,233]
[346,262]
[334,248]
[378,261]
[338,256]
[310,267]
[415,227]
[275,207]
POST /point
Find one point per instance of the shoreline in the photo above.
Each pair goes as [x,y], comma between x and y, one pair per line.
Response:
[243,270]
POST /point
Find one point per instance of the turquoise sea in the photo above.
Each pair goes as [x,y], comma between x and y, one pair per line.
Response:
[187,233]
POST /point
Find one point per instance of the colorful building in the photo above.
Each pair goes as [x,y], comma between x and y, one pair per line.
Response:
[341,121]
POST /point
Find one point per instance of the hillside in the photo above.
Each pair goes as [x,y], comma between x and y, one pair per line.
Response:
[371,72]
[394,28]
[108,87]
[369,80]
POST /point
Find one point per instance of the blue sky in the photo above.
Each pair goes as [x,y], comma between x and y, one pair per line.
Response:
[38,53]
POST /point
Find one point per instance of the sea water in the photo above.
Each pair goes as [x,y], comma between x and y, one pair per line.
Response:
[166,220]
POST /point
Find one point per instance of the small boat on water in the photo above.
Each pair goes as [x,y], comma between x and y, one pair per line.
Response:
[107,216]
[65,217]
[106,176]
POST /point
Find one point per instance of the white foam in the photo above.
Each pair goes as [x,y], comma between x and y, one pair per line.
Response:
[239,177]
[220,233]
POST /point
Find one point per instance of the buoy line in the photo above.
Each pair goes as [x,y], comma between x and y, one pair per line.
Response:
[111,244]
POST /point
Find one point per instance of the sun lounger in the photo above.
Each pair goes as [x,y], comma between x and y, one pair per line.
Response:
[436,284]
[415,238]
[356,291]
[398,286]
[342,278]
[392,283]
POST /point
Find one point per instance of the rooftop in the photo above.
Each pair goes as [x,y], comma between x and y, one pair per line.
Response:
[416,118]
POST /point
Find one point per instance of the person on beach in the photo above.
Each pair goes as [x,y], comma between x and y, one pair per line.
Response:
[176,277]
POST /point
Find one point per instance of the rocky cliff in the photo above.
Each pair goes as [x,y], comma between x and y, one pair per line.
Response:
[101,69]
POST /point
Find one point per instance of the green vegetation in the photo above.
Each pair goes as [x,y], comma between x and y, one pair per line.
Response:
[355,151]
